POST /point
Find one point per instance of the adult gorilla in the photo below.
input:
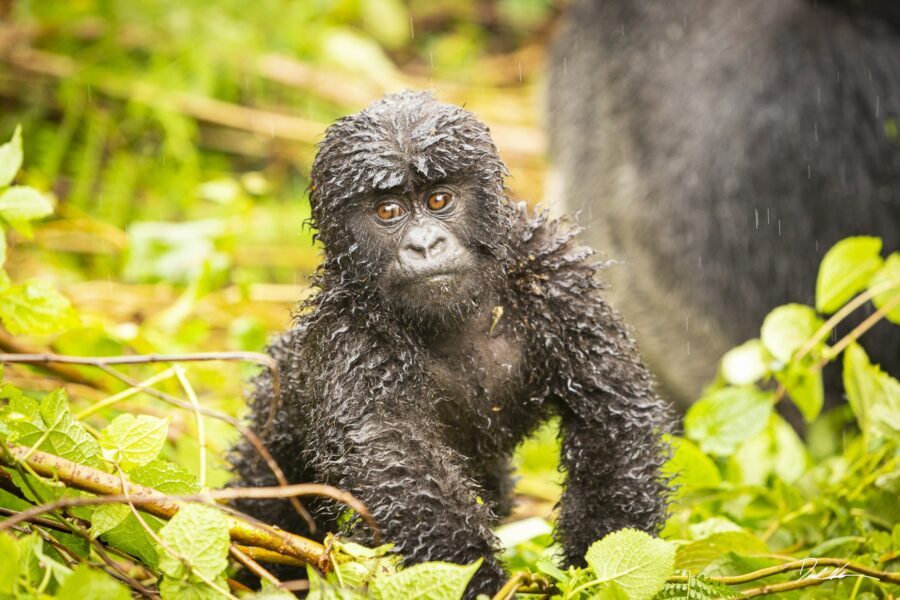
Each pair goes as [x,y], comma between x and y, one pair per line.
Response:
[720,148]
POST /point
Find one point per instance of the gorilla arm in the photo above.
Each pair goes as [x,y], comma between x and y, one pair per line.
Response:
[612,421]
[612,448]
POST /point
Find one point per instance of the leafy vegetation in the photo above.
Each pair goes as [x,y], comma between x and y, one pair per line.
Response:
[173,144]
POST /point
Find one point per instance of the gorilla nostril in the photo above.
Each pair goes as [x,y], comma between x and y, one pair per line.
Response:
[438,245]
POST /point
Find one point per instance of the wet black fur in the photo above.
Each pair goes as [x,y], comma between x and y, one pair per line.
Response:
[719,148]
[363,408]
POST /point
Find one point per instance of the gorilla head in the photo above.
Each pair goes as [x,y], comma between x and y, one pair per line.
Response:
[408,195]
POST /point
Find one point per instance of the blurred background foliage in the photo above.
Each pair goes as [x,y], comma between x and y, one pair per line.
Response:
[175,139]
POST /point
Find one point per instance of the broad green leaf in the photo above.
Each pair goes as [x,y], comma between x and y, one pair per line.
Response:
[731,564]
[166,477]
[134,440]
[60,433]
[426,581]
[35,308]
[367,563]
[11,158]
[108,517]
[889,272]
[745,364]
[636,561]
[198,534]
[180,589]
[727,417]
[22,203]
[787,328]
[846,270]
[803,383]
[2,247]
[86,583]
[711,526]
[9,566]
[610,590]
[776,449]
[131,537]
[694,557]
[874,396]
[547,566]
[692,470]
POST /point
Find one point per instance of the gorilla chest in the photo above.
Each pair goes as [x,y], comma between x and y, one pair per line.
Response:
[476,370]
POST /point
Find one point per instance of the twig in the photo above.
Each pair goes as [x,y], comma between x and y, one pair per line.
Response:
[123,395]
[248,433]
[796,565]
[103,363]
[524,580]
[141,359]
[775,588]
[42,521]
[267,556]
[69,374]
[109,489]
[256,568]
[201,431]
[860,329]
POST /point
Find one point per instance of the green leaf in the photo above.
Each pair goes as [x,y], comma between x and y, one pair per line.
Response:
[22,203]
[692,469]
[165,477]
[198,534]
[776,449]
[425,581]
[131,537]
[727,417]
[60,433]
[134,440]
[889,272]
[9,566]
[324,589]
[86,583]
[108,517]
[11,158]
[804,386]
[745,364]
[846,270]
[694,557]
[2,247]
[35,308]
[787,328]
[874,396]
[636,561]
[180,589]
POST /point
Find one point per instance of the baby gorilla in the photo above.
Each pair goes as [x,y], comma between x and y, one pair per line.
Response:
[448,324]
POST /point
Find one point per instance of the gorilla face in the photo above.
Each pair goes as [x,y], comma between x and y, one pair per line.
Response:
[421,244]
[408,199]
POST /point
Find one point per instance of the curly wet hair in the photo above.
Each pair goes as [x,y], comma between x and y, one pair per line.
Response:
[415,402]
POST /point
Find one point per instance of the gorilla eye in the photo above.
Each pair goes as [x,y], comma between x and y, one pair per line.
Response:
[439,200]
[389,210]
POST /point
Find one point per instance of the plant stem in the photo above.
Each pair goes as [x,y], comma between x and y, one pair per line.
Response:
[805,563]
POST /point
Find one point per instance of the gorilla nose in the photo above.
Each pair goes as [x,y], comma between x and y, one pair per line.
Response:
[425,244]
